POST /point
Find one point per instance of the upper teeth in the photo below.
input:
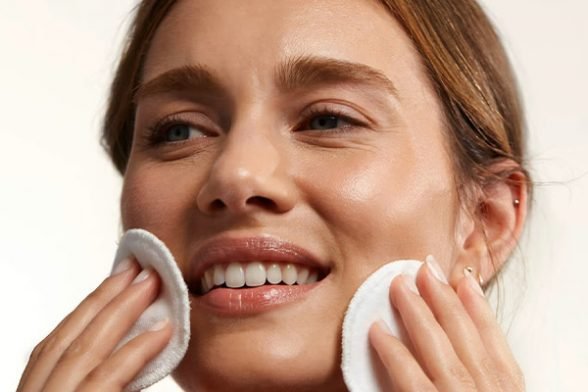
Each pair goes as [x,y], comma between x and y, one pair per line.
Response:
[256,273]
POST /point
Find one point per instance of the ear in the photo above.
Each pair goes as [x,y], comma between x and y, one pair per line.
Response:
[487,236]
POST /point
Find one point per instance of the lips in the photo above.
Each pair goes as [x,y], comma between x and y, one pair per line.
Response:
[226,253]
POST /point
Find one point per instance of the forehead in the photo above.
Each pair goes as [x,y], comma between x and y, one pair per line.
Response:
[236,37]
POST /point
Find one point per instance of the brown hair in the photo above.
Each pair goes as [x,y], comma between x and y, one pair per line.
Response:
[460,51]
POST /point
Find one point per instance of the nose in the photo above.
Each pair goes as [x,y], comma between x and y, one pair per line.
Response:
[249,174]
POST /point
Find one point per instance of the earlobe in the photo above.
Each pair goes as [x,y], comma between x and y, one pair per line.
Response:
[493,230]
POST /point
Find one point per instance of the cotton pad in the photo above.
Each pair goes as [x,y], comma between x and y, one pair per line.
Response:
[361,367]
[173,303]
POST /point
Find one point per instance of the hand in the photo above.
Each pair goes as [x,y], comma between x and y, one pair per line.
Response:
[458,345]
[78,354]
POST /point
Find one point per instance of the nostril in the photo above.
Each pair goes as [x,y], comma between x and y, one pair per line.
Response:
[217,205]
[263,202]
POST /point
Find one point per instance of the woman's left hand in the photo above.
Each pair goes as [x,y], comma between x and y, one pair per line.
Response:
[457,342]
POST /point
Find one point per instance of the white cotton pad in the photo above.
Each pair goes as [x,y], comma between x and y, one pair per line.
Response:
[173,303]
[361,367]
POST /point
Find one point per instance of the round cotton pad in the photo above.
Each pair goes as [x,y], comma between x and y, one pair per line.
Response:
[360,365]
[173,303]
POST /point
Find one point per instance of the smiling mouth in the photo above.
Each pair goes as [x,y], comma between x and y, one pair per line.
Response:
[247,275]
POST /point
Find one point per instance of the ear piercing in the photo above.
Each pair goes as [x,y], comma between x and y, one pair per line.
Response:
[516,202]
[469,270]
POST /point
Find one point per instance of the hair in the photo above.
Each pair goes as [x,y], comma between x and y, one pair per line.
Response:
[461,53]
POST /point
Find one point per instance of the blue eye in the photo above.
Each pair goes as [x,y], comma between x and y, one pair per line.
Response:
[177,132]
[325,122]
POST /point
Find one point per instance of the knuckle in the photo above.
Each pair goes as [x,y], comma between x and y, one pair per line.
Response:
[51,345]
[78,348]
[100,293]
[463,378]
[95,297]
[512,380]
[486,366]
[96,300]
[37,350]
[100,379]
[95,377]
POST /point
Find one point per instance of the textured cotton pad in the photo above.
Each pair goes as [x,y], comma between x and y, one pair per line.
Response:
[173,303]
[362,370]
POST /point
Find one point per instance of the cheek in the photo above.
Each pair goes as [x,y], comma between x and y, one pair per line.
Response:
[158,198]
[382,208]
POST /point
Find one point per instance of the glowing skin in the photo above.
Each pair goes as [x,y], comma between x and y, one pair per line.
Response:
[355,197]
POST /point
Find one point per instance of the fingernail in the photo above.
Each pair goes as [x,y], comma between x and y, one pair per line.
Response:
[410,283]
[122,266]
[473,284]
[142,276]
[161,324]
[435,269]
[384,327]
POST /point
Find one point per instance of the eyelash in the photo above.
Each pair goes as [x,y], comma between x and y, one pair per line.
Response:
[156,133]
[333,112]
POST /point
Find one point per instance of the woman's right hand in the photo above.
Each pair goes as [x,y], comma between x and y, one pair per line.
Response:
[78,355]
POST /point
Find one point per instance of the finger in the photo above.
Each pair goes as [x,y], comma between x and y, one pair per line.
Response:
[46,354]
[471,295]
[126,362]
[455,321]
[402,370]
[432,346]
[101,336]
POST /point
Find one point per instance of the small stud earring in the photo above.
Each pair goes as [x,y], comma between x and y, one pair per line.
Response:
[516,202]
[469,270]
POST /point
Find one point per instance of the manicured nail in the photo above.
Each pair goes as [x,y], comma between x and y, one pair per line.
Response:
[435,269]
[142,276]
[473,284]
[122,266]
[161,324]
[410,283]
[384,327]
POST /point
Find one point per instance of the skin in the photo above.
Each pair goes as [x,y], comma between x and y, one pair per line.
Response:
[356,196]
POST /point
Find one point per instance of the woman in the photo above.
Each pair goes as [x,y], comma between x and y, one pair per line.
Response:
[327,138]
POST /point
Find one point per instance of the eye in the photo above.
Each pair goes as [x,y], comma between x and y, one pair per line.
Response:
[326,121]
[178,132]
[329,120]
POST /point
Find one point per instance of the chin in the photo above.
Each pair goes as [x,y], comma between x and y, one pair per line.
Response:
[249,362]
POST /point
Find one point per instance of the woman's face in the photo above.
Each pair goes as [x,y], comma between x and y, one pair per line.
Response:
[293,131]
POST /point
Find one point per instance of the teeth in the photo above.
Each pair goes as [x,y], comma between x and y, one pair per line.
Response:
[205,286]
[255,273]
[302,275]
[289,274]
[235,275]
[208,278]
[218,275]
[274,273]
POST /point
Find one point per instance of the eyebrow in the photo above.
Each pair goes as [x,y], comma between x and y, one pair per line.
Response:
[304,72]
[292,74]
[185,78]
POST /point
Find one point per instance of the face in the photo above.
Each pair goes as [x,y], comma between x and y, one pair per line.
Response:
[285,132]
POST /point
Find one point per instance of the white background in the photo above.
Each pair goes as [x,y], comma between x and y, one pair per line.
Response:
[59,194]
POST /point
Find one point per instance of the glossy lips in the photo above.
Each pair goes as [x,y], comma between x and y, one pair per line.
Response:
[244,275]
